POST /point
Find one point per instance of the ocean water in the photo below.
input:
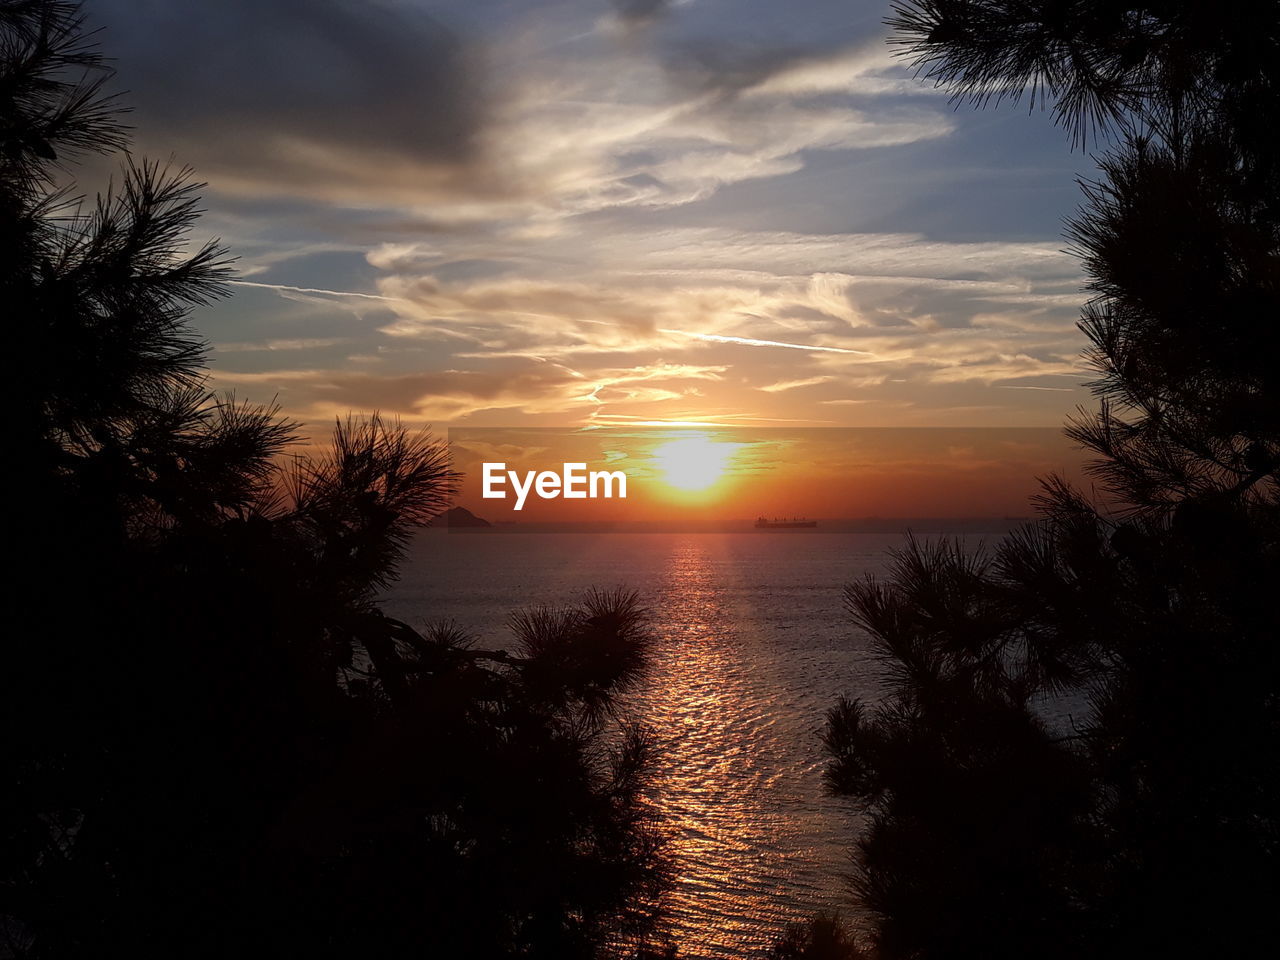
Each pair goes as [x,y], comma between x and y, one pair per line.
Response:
[753,645]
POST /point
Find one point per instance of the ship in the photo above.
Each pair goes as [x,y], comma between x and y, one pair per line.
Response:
[776,524]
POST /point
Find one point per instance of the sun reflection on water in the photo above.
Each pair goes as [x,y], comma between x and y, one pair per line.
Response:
[726,763]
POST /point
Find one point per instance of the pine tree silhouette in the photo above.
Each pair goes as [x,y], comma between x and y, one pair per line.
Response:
[1150,827]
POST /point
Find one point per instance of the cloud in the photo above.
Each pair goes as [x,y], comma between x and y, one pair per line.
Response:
[502,124]
[754,69]
[580,331]
[754,342]
[658,290]
[990,369]
[450,395]
[437,395]
[783,385]
[300,96]
[867,68]
[305,344]
[622,134]
[287,288]
[584,331]
[641,12]
[543,214]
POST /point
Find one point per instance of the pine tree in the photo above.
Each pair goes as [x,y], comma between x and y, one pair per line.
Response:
[1151,824]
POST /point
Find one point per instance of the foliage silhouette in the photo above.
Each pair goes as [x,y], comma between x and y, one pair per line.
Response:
[824,937]
[1150,823]
[215,741]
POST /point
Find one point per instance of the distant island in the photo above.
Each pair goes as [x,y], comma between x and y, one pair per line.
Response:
[458,517]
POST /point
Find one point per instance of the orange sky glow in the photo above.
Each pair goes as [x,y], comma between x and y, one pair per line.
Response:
[708,474]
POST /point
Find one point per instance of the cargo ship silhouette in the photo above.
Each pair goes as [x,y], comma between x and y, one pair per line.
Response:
[776,524]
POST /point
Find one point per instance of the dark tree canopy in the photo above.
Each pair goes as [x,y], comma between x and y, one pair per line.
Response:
[1144,610]
[215,741]
[824,937]
[1102,65]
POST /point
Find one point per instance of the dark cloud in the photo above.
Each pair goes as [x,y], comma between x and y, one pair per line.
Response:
[294,89]
[638,12]
[728,63]
[727,67]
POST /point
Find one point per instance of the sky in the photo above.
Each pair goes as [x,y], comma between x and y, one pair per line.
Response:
[591,213]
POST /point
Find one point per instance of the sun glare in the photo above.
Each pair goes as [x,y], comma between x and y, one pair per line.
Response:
[693,463]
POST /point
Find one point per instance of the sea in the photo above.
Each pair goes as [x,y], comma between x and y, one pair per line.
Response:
[754,643]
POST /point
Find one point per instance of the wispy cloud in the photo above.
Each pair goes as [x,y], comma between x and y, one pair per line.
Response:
[783,385]
[753,342]
[286,288]
[305,344]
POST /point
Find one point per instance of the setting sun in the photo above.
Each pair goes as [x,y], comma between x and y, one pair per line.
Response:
[693,463]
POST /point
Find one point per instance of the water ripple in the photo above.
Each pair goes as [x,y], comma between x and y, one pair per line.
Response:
[753,647]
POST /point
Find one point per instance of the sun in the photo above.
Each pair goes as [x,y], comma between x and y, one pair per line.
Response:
[693,463]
